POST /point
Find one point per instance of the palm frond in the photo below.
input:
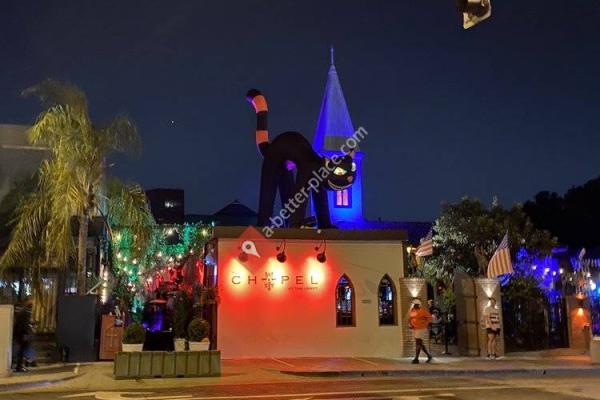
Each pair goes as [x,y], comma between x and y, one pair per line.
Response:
[121,135]
[32,217]
[128,208]
[52,93]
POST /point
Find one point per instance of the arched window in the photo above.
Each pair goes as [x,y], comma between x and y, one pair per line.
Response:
[344,302]
[387,301]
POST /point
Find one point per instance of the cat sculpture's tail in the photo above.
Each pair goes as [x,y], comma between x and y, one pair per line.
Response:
[258,101]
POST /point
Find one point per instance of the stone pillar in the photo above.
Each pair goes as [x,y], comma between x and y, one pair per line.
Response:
[472,296]
[6,321]
[579,321]
[409,289]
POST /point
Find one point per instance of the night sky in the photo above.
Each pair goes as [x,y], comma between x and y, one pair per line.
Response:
[507,108]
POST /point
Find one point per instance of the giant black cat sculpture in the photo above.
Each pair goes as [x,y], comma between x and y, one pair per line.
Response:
[291,150]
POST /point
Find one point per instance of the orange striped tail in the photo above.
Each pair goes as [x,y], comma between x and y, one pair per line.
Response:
[259,102]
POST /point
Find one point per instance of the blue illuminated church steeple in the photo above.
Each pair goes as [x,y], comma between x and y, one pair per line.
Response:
[334,127]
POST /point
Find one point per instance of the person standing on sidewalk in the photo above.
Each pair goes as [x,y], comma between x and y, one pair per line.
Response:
[491,316]
[22,333]
[418,321]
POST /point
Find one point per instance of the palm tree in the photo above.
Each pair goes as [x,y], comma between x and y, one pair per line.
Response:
[71,181]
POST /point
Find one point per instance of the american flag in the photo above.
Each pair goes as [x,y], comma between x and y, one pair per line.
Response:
[426,246]
[500,263]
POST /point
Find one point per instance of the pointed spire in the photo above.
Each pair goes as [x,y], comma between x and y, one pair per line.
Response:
[332,55]
[334,124]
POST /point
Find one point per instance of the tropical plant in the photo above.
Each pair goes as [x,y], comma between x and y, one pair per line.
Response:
[467,233]
[134,334]
[71,181]
[182,314]
[198,330]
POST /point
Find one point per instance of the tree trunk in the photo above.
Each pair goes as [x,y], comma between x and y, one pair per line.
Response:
[82,254]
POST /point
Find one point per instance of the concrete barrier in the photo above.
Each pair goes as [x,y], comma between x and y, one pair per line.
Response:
[6,320]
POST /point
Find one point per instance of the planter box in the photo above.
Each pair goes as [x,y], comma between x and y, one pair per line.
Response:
[162,364]
[132,347]
[199,346]
[179,344]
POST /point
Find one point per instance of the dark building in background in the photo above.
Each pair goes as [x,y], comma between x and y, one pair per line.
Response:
[233,214]
[167,205]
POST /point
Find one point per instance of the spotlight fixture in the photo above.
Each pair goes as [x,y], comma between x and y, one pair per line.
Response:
[321,257]
[281,257]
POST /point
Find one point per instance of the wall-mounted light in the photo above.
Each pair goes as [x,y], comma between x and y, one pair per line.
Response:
[489,286]
[281,257]
[414,286]
[321,257]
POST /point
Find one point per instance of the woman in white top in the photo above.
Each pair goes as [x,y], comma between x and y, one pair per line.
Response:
[491,316]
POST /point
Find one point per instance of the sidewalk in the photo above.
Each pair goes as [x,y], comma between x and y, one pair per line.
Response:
[372,367]
[39,377]
[98,376]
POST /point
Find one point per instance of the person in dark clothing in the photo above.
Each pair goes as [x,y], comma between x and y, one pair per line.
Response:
[22,333]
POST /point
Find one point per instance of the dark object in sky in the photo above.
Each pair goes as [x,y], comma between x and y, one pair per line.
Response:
[292,150]
[474,11]
[167,205]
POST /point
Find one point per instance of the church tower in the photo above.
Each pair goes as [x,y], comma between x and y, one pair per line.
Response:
[333,129]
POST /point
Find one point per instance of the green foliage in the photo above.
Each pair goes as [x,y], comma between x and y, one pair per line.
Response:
[70,181]
[134,334]
[137,256]
[198,330]
[182,314]
[467,233]
[447,299]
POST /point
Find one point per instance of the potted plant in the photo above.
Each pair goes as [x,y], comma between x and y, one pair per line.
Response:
[198,331]
[181,319]
[133,338]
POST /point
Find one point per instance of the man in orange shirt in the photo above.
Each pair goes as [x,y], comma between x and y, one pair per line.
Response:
[418,320]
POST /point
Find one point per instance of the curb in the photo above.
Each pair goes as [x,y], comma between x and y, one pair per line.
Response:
[34,384]
[439,372]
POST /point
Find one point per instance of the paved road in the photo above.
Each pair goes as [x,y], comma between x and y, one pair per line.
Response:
[448,388]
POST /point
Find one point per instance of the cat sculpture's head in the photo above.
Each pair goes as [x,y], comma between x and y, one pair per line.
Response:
[343,173]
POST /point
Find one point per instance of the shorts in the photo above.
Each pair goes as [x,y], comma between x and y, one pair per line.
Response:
[492,330]
[422,334]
